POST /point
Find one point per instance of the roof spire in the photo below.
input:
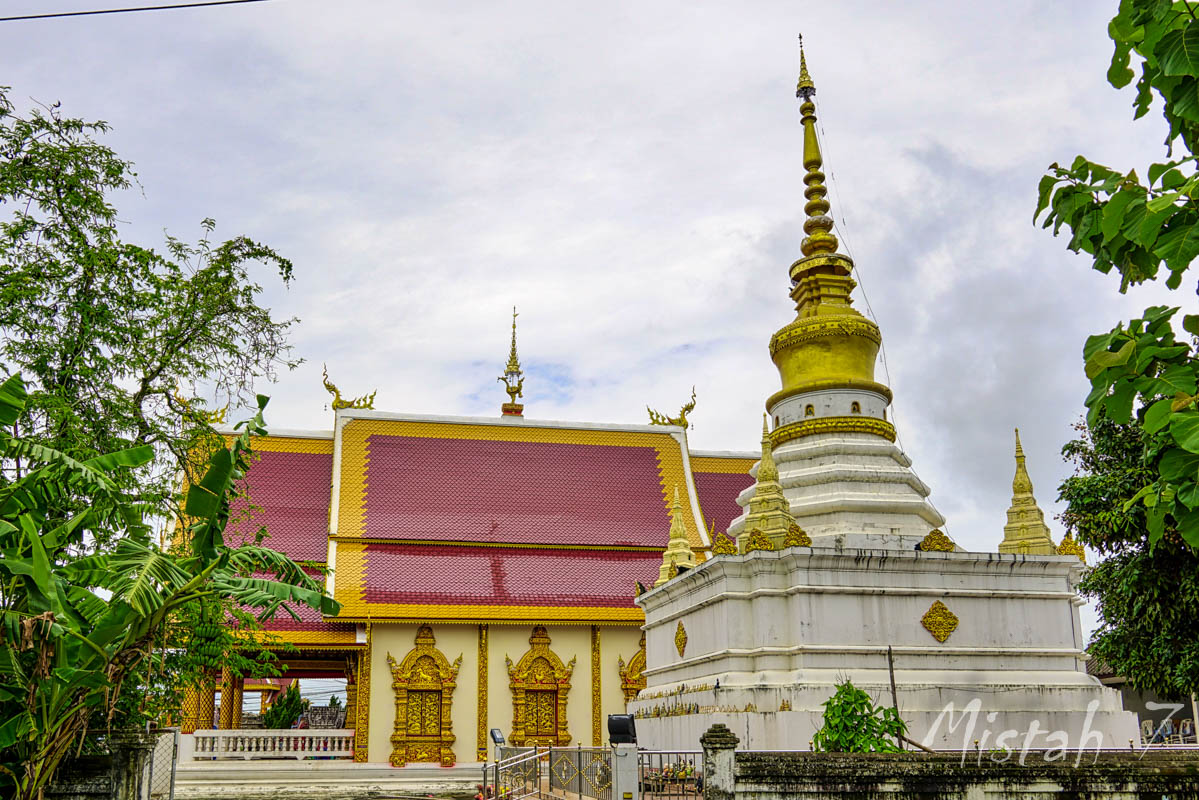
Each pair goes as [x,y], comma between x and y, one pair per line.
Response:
[818,224]
[513,378]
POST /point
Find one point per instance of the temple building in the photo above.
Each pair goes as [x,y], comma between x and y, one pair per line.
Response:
[536,576]
[486,567]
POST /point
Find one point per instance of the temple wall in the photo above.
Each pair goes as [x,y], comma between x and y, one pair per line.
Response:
[511,640]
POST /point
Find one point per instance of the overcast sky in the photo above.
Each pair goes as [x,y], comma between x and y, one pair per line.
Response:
[628,174]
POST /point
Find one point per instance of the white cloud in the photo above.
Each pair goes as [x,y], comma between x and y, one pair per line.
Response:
[629,176]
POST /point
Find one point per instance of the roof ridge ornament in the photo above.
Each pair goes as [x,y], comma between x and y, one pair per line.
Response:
[513,378]
[657,418]
[366,401]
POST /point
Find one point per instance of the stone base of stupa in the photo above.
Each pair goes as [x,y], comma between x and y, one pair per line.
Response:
[766,636]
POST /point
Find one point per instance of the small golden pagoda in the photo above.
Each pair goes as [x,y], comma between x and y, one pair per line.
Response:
[769,512]
[678,550]
[1026,531]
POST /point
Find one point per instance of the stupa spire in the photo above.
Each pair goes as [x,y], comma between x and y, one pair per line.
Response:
[1026,531]
[678,550]
[513,377]
[818,225]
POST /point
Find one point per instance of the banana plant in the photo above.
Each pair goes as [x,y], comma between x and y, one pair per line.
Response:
[76,622]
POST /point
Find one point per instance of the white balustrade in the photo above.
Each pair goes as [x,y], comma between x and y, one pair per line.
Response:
[267,743]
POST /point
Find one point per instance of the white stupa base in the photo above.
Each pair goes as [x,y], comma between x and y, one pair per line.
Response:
[773,630]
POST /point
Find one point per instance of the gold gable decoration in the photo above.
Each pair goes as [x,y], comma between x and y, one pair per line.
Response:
[937,540]
[540,683]
[939,621]
[757,541]
[424,692]
[632,677]
[722,545]
[796,537]
[1069,547]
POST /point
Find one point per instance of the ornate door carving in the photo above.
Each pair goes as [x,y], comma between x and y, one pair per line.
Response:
[540,683]
[424,688]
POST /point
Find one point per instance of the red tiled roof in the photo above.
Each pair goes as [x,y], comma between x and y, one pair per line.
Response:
[505,576]
[718,496]
[289,494]
[311,623]
[513,492]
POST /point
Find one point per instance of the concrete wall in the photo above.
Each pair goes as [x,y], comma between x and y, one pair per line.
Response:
[511,640]
[864,776]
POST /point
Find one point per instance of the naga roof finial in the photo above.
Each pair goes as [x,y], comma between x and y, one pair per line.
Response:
[367,401]
[657,418]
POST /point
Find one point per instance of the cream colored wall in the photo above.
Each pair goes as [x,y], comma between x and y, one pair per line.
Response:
[615,642]
[566,641]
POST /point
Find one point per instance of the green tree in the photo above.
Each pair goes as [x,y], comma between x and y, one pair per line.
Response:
[108,332]
[1139,229]
[286,709]
[853,724]
[74,626]
[1147,596]
[1136,495]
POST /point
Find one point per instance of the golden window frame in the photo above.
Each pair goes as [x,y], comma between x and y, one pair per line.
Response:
[413,674]
[523,678]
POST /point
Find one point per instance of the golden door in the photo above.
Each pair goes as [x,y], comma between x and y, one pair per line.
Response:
[424,726]
[542,716]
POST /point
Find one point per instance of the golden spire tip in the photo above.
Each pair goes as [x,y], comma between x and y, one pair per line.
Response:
[805,88]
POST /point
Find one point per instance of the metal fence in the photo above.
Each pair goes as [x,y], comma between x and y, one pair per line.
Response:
[670,774]
[158,780]
[517,775]
[584,771]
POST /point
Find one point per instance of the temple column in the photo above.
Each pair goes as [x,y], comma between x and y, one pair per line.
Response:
[225,718]
[205,698]
[237,700]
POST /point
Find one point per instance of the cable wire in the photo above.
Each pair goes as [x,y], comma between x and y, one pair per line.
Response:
[869,309]
[127,10]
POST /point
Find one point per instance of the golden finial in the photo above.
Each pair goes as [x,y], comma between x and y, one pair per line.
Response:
[818,224]
[513,377]
[366,401]
[767,471]
[1021,483]
[656,418]
[805,88]
[678,549]
[1026,531]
